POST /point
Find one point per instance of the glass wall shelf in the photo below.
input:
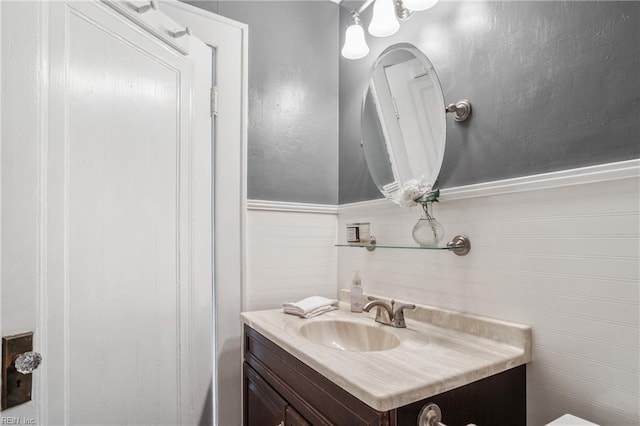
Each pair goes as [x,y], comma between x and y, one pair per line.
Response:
[393,247]
[459,245]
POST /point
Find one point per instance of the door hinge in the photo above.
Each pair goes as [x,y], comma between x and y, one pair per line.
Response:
[395,108]
[214,101]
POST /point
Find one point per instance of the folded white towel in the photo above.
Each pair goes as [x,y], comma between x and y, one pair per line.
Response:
[310,306]
[315,312]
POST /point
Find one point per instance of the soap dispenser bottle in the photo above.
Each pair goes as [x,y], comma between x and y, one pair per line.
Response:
[356,293]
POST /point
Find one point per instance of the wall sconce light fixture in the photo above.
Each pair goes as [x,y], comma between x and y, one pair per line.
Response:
[384,23]
[355,46]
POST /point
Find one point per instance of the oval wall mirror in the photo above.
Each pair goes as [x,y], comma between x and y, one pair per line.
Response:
[403,120]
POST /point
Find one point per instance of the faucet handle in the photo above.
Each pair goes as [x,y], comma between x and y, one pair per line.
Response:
[398,314]
[371,298]
[402,306]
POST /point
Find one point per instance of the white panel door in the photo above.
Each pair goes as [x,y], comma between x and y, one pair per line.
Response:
[129,237]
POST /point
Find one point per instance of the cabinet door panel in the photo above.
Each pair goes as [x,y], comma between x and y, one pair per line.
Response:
[263,406]
[316,398]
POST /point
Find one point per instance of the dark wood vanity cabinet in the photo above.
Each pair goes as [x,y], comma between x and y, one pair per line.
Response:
[281,390]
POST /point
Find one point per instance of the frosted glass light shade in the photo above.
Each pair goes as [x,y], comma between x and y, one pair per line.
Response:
[419,4]
[355,46]
[384,22]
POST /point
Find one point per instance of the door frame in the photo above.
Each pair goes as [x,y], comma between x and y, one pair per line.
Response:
[230,39]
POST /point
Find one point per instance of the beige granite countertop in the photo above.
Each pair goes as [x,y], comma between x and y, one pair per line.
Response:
[440,350]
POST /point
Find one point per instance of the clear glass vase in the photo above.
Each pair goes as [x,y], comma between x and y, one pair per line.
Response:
[428,232]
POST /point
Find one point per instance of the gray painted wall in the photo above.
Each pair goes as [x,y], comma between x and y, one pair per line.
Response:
[553,85]
[293,97]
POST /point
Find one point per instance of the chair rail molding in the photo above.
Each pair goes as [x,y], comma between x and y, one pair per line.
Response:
[283,206]
[579,176]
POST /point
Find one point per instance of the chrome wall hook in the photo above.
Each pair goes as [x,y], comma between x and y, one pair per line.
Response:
[461,109]
[180,33]
[144,8]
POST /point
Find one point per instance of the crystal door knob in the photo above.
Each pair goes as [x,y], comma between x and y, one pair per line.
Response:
[27,362]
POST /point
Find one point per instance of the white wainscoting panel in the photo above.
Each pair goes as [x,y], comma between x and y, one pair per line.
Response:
[561,254]
[291,253]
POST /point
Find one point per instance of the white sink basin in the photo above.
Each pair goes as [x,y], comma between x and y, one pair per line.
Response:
[349,336]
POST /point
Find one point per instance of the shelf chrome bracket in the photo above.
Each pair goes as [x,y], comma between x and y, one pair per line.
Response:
[372,243]
[460,245]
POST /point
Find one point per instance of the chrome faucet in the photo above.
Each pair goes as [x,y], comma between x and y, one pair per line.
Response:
[388,314]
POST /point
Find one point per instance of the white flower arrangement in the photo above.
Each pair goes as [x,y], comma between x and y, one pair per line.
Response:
[417,191]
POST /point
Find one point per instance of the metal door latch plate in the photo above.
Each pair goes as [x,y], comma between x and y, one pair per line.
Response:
[16,387]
